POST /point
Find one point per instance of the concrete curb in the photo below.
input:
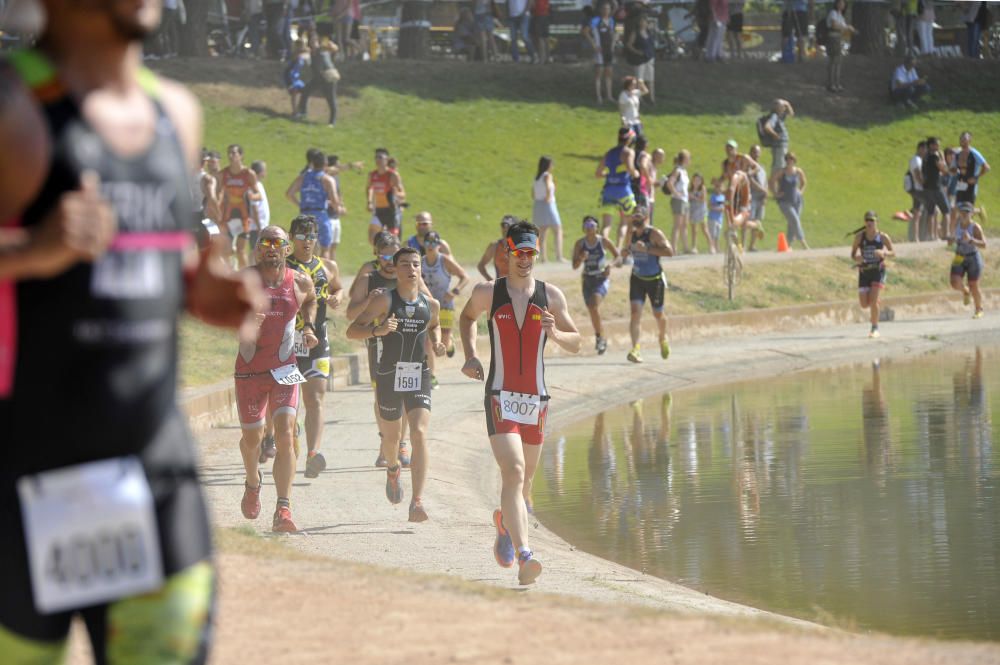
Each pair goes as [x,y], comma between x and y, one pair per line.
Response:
[207,406]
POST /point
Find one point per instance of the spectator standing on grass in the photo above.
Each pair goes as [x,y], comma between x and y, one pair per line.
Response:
[907,85]
[838,29]
[734,29]
[788,186]
[640,51]
[970,167]
[295,70]
[716,213]
[702,15]
[698,207]
[656,179]
[324,79]
[758,197]
[484,13]
[933,167]
[677,186]
[914,183]
[544,213]
[973,28]
[519,21]
[633,90]
[777,131]
[169,29]
[274,14]
[925,27]
[463,35]
[600,32]
[717,30]
[906,17]
[795,23]
[540,20]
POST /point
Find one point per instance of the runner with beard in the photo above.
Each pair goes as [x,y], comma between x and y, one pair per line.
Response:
[314,363]
[267,375]
[646,245]
[96,217]
[237,189]
[523,313]
[403,318]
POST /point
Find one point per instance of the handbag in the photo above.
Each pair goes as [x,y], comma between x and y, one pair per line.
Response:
[331,75]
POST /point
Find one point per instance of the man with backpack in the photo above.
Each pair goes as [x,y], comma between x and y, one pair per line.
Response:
[772,132]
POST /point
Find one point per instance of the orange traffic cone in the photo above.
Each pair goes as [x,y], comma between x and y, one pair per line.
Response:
[782,243]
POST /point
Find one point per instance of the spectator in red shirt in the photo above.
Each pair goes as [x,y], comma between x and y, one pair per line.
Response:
[540,19]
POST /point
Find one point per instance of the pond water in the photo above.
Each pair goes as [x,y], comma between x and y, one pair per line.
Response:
[863,497]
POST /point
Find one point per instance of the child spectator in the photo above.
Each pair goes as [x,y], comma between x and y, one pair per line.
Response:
[716,211]
[294,82]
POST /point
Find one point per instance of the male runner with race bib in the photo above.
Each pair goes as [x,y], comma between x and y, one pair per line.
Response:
[268,377]
[523,314]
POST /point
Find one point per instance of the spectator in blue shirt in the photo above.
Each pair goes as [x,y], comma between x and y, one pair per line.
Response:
[907,86]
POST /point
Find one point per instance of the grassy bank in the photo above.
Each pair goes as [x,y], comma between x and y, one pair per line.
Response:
[468,136]
[208,354]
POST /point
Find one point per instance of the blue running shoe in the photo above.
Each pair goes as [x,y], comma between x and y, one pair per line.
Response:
[393,488]
[528,568]
[503,548]
[404,454]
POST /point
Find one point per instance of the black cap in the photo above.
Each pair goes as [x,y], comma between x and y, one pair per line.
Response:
[432,238]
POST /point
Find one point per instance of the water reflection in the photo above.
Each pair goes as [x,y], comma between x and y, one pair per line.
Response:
[785,495]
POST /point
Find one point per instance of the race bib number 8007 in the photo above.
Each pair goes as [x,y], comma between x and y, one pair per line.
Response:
[520,407]
[91,534]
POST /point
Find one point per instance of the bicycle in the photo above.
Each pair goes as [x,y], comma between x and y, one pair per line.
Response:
[732,267]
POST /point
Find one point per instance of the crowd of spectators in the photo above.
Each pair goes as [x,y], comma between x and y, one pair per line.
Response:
[937,180]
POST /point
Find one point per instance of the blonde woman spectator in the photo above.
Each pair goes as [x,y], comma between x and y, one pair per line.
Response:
[640,50]
[632,92]
[677,187]
[698,208]
[544,213]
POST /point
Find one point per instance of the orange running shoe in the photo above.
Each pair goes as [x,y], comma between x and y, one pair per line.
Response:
[503,547]
[250,505]
[283,521]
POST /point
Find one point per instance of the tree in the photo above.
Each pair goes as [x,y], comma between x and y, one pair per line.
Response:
[194,34]
[869,17]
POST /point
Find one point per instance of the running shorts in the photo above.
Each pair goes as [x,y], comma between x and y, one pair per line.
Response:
[595,285]
[446,316]
[236,225]
[259,394]
[315,368]
[391,403]
[373,354]
[334,231]
[533,435]
[871,279]
[967,264]
[625,204]
[386,218]
[653,287]
[967,195]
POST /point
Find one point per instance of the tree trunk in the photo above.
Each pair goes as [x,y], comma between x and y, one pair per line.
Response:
[869,17]
[194,33]
[414,30]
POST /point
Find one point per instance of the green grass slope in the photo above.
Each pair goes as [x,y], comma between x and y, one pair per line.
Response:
[468,136]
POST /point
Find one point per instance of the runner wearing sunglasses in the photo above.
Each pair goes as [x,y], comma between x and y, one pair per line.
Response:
[267,375]
[523,314]
[314,363]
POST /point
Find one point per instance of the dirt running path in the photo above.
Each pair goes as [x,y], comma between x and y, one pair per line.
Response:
[326,605]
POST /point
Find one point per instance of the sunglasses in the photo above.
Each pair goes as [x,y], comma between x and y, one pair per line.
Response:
[870,219]
[273,243]
[386,257]
[305,236]
[518,253]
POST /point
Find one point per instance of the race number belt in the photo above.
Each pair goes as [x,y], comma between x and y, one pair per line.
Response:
[288,375]
[521,408]
[91,534]
[408,377]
